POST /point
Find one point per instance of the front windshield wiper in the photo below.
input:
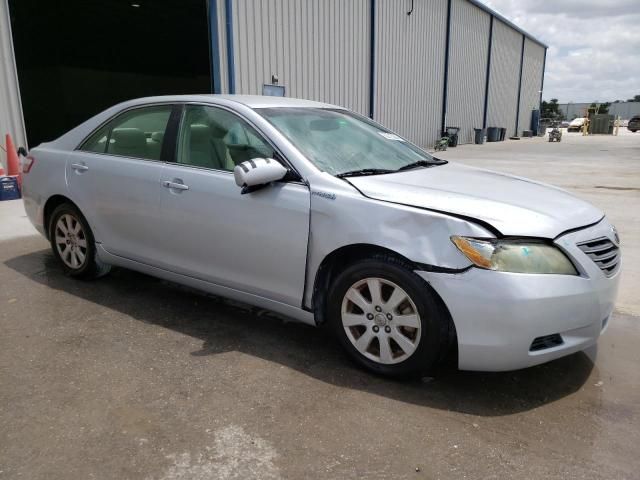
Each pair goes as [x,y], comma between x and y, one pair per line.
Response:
[422,163]
[364,171]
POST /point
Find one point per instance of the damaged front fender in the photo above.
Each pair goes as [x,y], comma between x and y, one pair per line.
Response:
[341,216]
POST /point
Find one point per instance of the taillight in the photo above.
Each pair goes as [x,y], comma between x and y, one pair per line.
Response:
[27,163]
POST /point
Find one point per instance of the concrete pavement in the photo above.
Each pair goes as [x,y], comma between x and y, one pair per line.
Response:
[13,221]
[130,377]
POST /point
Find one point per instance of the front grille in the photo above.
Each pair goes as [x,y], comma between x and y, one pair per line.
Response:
[548,341]
[604,253]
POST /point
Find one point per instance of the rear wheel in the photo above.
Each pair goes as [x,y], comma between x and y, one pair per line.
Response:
[73,244]
[388,318]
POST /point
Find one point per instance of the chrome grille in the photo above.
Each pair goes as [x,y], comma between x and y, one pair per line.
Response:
[604,253]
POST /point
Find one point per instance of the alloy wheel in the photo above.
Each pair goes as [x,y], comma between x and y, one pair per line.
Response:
[381,320]
[71,241]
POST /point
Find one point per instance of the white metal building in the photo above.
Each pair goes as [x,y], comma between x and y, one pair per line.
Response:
[624,110]
[413,65]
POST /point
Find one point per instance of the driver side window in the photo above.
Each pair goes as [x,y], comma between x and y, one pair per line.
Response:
[214,138]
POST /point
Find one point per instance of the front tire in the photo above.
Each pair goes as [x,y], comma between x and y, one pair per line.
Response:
[387,318]
[73,244]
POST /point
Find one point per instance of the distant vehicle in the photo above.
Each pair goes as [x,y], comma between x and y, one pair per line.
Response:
[555,134]
[576,124]
[634,124]
[563,124]
[323,215]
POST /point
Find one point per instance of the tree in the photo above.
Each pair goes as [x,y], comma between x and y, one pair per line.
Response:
[551,110]
[599,108]
[636,98]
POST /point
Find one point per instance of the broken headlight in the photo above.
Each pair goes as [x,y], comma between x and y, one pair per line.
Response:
[514,255]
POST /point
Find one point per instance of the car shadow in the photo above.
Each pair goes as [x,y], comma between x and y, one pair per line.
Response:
[224,326]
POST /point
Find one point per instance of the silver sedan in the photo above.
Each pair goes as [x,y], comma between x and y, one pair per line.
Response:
[321,215]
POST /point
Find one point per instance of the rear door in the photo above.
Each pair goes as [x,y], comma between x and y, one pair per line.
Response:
[115,179]
[255,243]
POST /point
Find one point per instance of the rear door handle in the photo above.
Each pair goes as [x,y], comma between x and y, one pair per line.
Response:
[175,186]
[79,167]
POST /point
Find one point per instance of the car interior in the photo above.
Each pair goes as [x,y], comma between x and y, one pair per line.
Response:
[213,138]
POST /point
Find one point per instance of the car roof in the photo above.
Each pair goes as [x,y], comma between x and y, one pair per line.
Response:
[73,137]
[251,101]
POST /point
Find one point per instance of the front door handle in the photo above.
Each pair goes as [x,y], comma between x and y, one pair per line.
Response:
[79,167]
[175,185]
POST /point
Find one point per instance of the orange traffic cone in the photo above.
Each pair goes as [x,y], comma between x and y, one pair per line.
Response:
[13,163]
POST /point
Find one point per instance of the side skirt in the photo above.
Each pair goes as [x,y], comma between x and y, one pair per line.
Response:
[289,311]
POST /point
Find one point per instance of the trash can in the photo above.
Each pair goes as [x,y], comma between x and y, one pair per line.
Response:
[503,134]
[493,134]
[535,122]
[452,133]
[479,135]
[9,189]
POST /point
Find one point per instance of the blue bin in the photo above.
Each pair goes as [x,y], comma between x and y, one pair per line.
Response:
[9,189]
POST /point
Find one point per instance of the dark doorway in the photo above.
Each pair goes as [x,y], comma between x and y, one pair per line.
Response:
[77,57]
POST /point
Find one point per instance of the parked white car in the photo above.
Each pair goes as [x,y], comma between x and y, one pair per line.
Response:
[322,215]
[576,124]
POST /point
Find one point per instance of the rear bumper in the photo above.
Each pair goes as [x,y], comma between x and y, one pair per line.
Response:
[34,207]
[498,315]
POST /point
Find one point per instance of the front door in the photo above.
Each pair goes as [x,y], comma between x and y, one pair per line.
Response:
[114,177]
[255,243]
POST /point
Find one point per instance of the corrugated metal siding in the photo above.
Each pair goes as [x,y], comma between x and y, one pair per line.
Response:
[531,83]
[318,49]
[504,77]
[222,42]
[11,121]
[468,51]
[409,79]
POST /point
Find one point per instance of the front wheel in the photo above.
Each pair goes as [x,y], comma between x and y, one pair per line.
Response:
[388,318]
[73,244]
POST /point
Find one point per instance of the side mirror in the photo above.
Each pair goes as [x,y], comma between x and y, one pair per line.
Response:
[257,172]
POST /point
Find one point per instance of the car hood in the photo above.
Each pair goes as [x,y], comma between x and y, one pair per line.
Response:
[512,205]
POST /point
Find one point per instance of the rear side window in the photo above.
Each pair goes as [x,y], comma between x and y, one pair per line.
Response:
[97,143]
[137,133]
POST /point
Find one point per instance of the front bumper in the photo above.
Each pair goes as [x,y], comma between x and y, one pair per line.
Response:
[498,315]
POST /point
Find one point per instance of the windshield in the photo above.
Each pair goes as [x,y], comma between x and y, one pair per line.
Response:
[339,141]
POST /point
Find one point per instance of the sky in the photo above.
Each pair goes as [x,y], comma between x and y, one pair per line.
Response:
[594,45]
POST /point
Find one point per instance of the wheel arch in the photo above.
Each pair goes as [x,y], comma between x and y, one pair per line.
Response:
[337,260]
[50,205]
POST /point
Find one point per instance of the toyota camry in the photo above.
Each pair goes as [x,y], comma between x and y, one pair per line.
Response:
[324,216]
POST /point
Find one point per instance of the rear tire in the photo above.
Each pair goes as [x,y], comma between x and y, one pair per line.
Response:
[73,244]
[388,318]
